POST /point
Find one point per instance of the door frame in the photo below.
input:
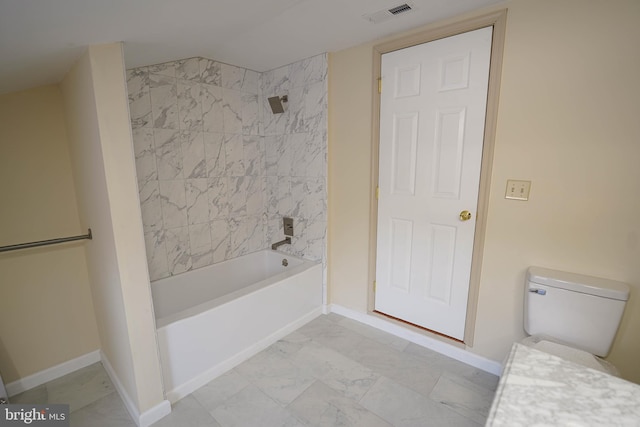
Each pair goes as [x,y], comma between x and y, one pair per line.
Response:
[498,20]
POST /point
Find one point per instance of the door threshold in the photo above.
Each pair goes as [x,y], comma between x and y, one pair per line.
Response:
[422,328]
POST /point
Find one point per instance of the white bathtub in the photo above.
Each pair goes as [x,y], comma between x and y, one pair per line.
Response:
[213,318]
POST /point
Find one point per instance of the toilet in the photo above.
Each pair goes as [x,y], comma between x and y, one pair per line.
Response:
[573,316]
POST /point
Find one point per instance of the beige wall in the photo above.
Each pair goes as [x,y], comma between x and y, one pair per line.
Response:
[95,98]
[568,121]
[46,314]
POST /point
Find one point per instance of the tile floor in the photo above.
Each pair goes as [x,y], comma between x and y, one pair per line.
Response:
[331,372]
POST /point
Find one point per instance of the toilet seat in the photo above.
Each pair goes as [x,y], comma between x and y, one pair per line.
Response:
[581,357]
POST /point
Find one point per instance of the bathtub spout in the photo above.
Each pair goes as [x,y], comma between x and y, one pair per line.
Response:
[280,243]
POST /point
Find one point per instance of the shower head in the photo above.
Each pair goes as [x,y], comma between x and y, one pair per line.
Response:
[277,103]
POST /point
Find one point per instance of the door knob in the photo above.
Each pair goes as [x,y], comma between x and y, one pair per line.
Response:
[465,216]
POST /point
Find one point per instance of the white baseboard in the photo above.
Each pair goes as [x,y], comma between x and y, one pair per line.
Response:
[39,378]
[189,387]
[146,418]
[441,347]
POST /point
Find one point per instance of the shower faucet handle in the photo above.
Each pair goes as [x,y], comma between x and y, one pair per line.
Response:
[287,225]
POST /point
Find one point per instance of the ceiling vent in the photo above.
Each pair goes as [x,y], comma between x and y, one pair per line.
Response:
[386,14]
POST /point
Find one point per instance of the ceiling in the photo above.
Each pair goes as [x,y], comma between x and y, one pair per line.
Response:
[41,39]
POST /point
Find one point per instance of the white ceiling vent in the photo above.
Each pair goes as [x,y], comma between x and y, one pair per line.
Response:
[383,15]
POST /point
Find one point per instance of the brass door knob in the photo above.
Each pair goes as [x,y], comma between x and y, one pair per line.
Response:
[465,216]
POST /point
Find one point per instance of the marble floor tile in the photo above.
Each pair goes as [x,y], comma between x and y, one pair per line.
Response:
[276,376]
[188,412]
[214,393]
[320,405]
[331,372]
[463,396]
[399,366]
[108,411]
[342,374]
[35,395]
[475,375]
[332,335]
[288,345]
[374,334]
[403,407]
[251,407]
[80,388]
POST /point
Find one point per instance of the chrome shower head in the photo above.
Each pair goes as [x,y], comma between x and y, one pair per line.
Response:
[277,103]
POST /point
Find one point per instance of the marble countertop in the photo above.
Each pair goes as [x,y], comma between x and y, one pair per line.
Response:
[540,389]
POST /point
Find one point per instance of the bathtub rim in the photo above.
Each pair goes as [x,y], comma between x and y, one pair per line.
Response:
[239,293]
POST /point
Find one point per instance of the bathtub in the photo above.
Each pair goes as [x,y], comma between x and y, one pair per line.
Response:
[213,318]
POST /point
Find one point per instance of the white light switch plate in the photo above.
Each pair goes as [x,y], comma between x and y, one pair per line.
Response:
[517,190]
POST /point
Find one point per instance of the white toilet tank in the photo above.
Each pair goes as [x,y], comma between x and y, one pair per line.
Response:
[581,311]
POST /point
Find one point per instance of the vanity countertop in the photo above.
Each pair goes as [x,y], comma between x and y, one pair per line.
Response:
[541,389]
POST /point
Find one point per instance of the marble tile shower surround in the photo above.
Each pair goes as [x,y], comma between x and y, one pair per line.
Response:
[217,170]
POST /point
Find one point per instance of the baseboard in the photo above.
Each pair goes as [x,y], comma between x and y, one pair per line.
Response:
[39,378]
[441,347]
[146,418]
[190,386]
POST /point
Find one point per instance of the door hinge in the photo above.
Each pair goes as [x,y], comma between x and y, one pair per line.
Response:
[377,193]
[374,286]
[379,84]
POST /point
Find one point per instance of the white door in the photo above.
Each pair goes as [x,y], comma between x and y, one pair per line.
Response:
[432,114]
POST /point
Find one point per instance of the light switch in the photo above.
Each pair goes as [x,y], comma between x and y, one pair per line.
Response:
[517,190]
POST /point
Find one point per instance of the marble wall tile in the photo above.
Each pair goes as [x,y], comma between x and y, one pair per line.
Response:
[168,154]
[218,198]
[278,196]
[213,156]
[193,155]
[200,245]
[156,254]
[273,124]
[178,250]
[276,82]
[214,151]
[234,155]
[150,205]
[165,69]
[315,107]
[188,69]
[164,101]
[212,111]
[145,154]
[232,76]
[232,111]
[255,194]
[210,72]
[315,233]
[297,73]
[197,201]
[237,196]
[308,196]
[296,121]
[220,240]
[239,237]
[256,233]
[139,97]
[189,105]
[254,155]
[316,70]
[173,203]
[250,114]
[251,82]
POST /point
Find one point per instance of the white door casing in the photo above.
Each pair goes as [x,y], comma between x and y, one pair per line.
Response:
[432,116]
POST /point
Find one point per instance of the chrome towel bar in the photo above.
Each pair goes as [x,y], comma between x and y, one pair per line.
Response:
[46,242]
